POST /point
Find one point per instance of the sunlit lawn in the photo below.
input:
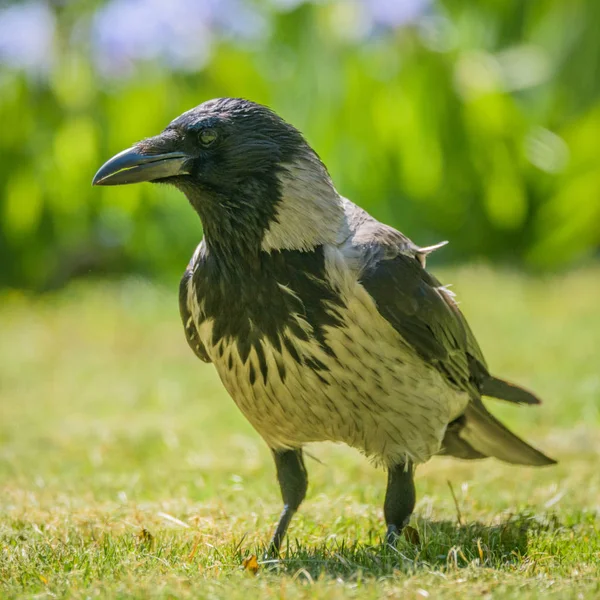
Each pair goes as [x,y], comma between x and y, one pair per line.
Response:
[126,471]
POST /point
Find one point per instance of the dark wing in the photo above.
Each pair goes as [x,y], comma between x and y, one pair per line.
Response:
[191,333]
[426,316]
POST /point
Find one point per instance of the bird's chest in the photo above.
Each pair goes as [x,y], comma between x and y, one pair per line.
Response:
[265,330]
[307,362]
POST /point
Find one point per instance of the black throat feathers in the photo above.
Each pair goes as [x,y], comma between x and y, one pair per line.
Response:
[235,220]
[285,296]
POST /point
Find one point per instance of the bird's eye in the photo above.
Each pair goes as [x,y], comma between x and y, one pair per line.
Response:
[207,136]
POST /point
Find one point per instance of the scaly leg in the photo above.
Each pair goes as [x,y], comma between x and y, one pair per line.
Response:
[399,499]
[293,481]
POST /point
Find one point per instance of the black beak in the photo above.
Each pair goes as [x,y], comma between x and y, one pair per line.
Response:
[132,166]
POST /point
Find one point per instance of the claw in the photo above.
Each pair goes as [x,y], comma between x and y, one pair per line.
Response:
[392,535]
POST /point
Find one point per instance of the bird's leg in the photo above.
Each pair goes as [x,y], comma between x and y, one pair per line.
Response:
[293,481]
[399,499]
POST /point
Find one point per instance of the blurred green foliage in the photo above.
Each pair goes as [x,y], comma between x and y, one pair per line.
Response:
[476,122]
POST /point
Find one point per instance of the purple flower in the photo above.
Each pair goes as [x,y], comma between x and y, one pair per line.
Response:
[179,32]
[238,19]
[27,36]
[395,13]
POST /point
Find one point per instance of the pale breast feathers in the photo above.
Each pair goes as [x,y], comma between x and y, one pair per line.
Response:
[315,360]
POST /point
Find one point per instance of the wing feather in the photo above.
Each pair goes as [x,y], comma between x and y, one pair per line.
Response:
[425,314]
[191,333]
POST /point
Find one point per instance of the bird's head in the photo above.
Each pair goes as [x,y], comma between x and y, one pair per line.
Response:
[253,179]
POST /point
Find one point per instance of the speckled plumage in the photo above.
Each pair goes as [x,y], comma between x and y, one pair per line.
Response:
[361,383]
[322,322]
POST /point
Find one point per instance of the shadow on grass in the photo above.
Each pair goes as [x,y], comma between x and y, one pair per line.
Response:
[443,545]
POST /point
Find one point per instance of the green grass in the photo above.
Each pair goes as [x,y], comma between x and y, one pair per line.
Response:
[126,471]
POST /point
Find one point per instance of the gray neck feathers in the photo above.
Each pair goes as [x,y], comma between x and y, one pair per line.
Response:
[310,212]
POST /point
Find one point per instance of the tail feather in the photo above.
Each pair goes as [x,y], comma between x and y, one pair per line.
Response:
[479,434]
[455,445]
[503,390]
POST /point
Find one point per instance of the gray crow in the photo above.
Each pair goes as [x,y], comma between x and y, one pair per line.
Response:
[322,323]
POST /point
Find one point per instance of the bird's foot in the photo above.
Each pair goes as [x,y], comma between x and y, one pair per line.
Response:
[410,534]
[392,535]
[272,552]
